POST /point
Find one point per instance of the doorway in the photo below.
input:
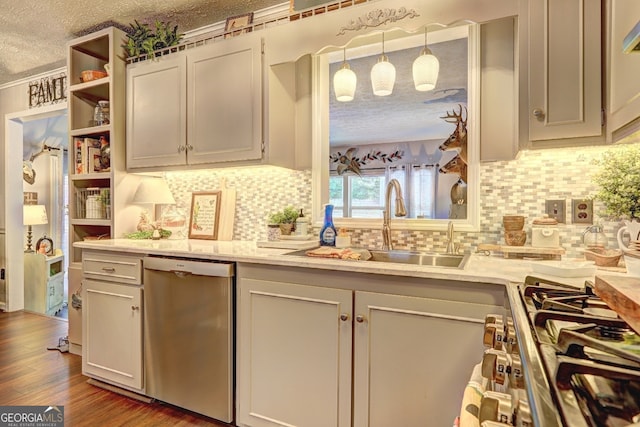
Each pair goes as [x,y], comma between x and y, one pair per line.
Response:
[34,139]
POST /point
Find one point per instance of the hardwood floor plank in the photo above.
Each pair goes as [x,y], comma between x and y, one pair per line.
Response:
[32,375]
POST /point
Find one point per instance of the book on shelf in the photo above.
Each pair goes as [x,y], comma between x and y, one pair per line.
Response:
[86,150]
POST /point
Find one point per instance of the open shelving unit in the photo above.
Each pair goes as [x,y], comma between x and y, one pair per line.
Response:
[93,52]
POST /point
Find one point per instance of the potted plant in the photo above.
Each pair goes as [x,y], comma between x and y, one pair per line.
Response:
[619,182]
[619,189]
[141,39]
[286,218]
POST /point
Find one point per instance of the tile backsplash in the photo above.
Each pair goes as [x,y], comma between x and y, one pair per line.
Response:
[516,187]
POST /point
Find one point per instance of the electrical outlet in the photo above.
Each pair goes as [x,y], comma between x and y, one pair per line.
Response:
[581,211]
[556,209]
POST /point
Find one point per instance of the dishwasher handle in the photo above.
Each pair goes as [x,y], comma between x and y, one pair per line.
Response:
[189,266]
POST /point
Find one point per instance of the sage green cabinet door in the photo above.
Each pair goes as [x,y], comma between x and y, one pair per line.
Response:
[413,358]
[224,87]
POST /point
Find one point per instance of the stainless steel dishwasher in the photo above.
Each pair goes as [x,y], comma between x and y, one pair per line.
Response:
[188,334]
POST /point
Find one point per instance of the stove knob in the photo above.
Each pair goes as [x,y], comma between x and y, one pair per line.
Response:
[495,365]
[495,406]
[516,379]
[522,414]
[493,331]
[510,340]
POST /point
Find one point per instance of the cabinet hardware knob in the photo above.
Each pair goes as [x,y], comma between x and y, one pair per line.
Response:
[359,318]
[189,147]
[135,307]
[344,317]
[181,148]
[108,269]
[538,113]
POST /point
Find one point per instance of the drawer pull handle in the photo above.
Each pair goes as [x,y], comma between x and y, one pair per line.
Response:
[108,269]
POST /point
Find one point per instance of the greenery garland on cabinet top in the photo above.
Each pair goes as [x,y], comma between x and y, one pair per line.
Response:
[142,40]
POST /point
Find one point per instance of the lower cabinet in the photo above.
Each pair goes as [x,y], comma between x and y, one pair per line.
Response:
[309,355]
[112,327]
[294,355]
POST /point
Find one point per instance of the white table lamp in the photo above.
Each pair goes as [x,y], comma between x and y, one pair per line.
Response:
[33,215]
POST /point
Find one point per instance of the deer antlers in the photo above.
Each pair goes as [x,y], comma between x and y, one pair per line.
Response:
[454,117]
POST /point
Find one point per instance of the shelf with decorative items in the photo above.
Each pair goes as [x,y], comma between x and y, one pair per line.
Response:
[96,67]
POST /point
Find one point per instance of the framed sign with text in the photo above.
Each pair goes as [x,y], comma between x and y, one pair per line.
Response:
[205,215]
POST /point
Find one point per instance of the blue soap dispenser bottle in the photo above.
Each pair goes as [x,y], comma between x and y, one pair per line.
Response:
[328,232]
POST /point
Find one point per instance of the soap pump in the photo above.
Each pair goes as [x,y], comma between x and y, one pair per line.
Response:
[328,232]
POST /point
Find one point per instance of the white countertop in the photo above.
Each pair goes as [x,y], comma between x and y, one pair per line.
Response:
[479,268]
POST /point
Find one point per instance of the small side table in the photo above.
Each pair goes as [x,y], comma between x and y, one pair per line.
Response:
[43,283]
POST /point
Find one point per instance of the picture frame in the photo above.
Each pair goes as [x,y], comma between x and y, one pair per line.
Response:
[204,217]
[237,25]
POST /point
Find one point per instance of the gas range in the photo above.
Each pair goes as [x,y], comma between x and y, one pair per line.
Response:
[591,357]
[559,356]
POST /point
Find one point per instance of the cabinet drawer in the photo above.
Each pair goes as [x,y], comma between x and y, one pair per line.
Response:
[112,267]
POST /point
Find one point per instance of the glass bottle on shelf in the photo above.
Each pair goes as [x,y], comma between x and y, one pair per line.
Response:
[101,113]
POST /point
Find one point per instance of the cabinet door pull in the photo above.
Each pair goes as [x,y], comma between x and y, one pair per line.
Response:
[538,113]
[360,318]
[135,307]
[189,147]
[344,317]
[181,148]
[108,269]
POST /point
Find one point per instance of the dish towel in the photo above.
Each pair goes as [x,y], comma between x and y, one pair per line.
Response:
[347,253]
[470,408]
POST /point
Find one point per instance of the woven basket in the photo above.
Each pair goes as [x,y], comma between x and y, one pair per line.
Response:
[603,257]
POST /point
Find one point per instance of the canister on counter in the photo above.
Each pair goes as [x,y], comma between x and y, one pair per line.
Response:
[545,233]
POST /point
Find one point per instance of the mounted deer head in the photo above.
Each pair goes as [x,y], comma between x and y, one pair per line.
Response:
[456,165]
[458,139]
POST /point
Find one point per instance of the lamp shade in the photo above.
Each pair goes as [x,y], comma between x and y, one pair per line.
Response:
[344,83]
[425,71]
[153,191]
[383,76]
[34,215]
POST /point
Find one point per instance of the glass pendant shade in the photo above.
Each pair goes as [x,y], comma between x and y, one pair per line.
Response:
[425,71]
[344,83]
[383,76]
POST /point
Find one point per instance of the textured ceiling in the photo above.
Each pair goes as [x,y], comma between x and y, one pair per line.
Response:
[34,33]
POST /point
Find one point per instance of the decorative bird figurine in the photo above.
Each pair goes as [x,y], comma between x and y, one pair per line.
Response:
[348,163]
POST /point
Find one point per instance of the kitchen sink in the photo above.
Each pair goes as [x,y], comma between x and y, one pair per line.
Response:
[430,259]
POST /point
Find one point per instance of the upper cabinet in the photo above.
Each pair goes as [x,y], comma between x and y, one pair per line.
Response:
[199,106]
[623,69]
[565,96]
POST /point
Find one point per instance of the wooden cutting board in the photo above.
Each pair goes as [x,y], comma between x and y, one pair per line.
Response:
[520,252]
[227,211]
[622,294]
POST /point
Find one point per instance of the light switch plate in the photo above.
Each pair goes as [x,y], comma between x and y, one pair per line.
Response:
[581,211]
[556,209]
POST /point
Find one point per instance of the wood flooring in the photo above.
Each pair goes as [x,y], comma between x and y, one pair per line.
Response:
[32,375]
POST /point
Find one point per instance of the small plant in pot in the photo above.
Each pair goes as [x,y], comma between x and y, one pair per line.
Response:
[618,180]
[286,218]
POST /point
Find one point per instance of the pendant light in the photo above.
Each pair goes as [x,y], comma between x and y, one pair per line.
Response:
[344,81]
[425,68]
[383,75]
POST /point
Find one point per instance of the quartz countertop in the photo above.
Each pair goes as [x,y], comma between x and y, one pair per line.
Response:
[479,268]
